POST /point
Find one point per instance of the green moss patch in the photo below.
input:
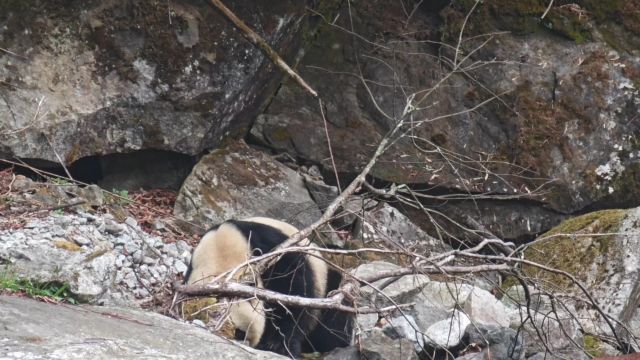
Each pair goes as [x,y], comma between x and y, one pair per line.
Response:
[576,246]
[593,346]
[569,21]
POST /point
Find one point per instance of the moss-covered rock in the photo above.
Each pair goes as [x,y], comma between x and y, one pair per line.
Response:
[600,250]
[575,246]
[570,21]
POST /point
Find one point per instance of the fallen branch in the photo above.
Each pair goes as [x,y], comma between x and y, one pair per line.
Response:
[232,289]
[25,210]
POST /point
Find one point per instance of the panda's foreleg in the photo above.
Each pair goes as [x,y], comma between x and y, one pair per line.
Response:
[285,331]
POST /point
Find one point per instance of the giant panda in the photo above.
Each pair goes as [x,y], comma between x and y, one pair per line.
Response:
[270,326]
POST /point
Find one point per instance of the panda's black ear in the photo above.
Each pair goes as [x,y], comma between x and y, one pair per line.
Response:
[256,252]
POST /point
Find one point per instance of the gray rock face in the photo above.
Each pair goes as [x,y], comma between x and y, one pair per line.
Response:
[349,353]
[448,332]
[573,355]
[107,77]
[35,330]
[560,333]
[436,311]
[384,291]
[497,342]
[441,313]
[378,346]
[386,225]
[240,182]
[405,327]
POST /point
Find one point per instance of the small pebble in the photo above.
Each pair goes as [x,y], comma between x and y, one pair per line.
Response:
[162,271]
[136,257]
[119,277]
[171,250]
[140,293]
[179,267]
[114,228]
[131,222]
[81,240]
[155,275]
[131,248]
[159,225]
[199,323]
[168,261]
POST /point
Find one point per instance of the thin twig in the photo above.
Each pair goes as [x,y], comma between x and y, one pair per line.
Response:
[52,208]
[12,53]
[326,132]
[547,10]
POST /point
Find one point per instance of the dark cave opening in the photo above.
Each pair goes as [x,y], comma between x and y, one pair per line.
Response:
[143,169]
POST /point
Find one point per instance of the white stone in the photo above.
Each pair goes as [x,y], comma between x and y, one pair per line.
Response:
[180,267]
[484,308]
[447,333]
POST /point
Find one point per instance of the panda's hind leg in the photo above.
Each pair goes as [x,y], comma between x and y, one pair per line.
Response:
[288,327]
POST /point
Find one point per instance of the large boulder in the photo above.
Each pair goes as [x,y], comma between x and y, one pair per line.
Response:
[600,250]
[35,330]
[238,182]
[83,78]
[550,118]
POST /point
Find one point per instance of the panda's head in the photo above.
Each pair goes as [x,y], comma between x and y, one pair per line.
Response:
[222,249]
[226,246]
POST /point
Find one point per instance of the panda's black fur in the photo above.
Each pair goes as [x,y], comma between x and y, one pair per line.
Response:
[270,326]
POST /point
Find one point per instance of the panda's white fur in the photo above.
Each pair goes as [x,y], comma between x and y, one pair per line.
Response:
[224,248]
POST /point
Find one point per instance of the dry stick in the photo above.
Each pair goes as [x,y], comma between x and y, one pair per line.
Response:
[547,10]
[51,208]
[243,291]
[464,24]
[258,41]
[53,148]
[326,132]
[12,53]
